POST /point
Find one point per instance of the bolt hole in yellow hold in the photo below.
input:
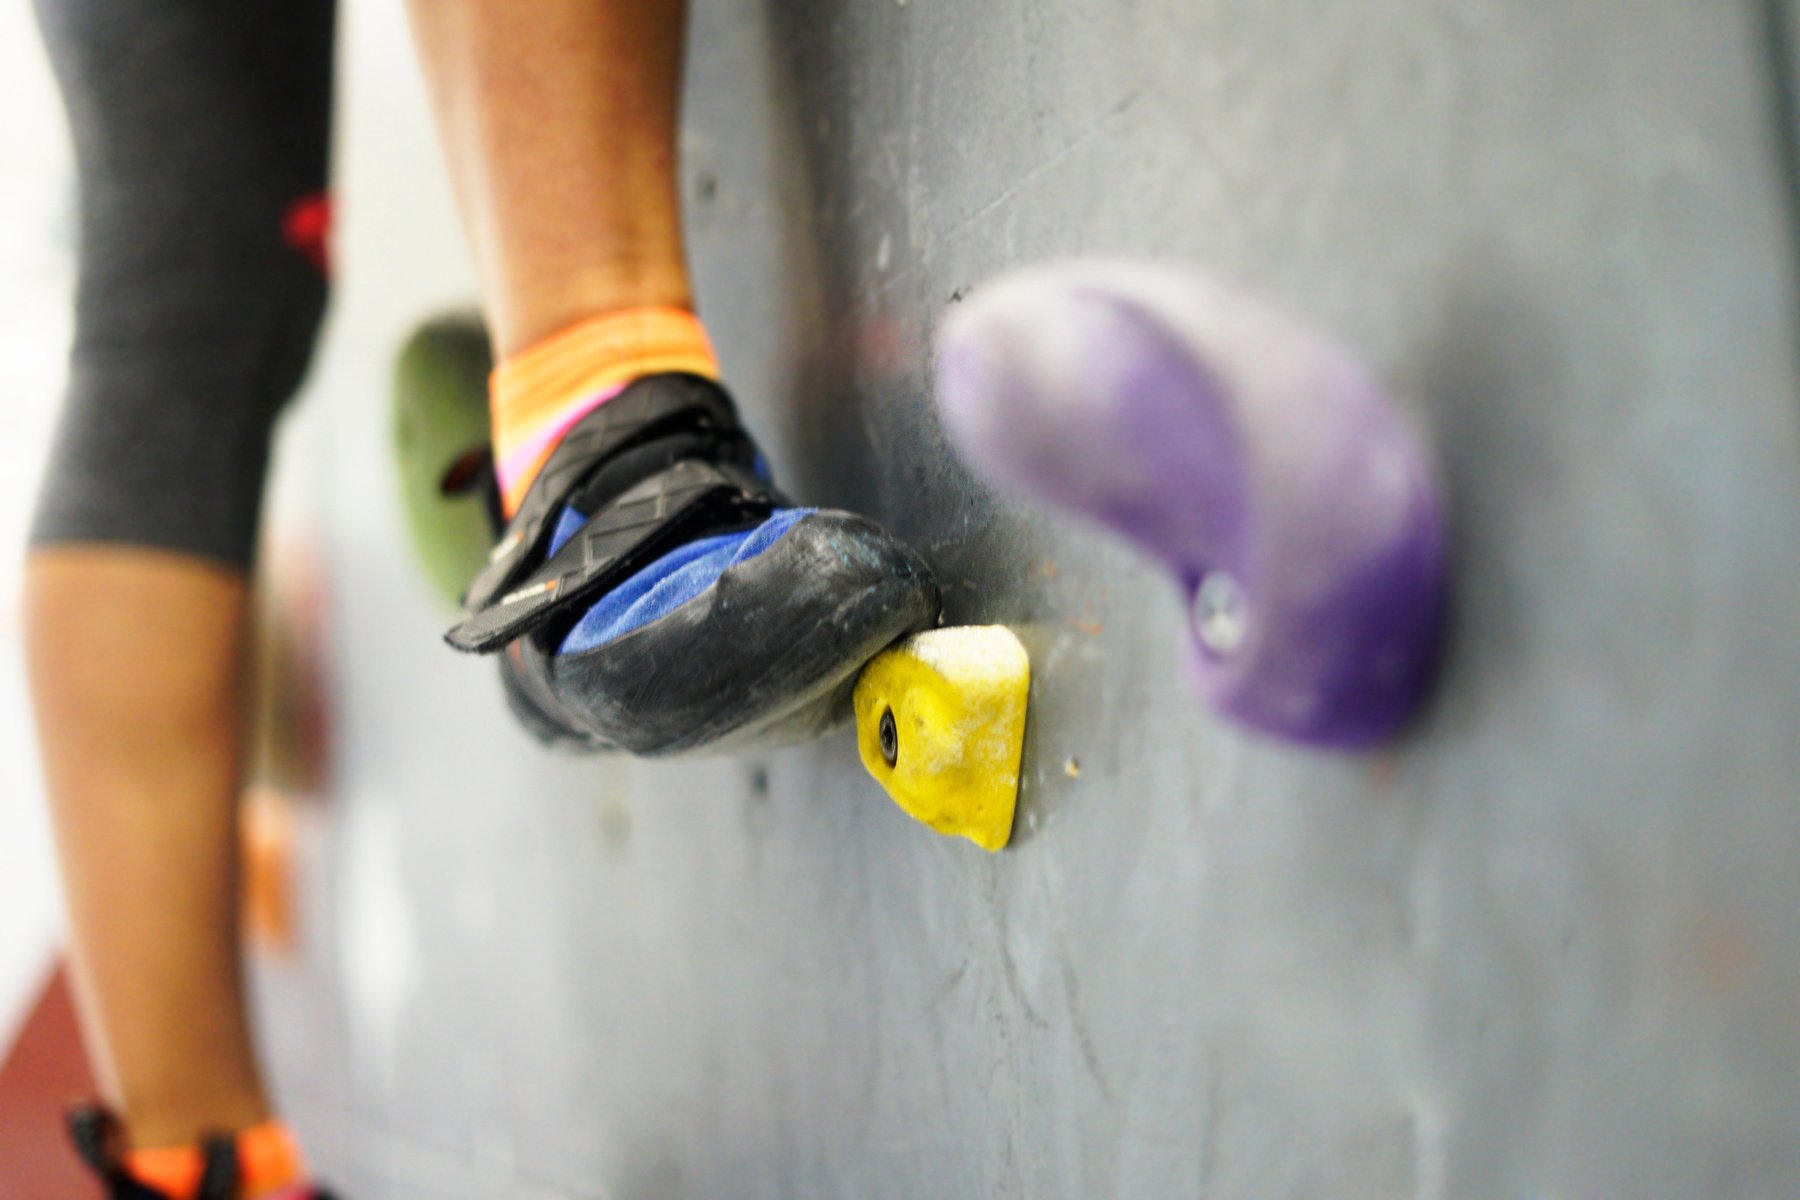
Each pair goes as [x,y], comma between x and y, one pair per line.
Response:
[890,738]
[940,724]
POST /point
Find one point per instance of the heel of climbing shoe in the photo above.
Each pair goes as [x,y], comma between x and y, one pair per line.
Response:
[533,711]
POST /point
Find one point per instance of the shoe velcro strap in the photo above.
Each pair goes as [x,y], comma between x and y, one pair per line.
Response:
[220,1178]
[690,499]
[634,414]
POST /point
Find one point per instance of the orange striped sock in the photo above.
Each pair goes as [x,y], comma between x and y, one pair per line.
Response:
[269,1164]
[539,393]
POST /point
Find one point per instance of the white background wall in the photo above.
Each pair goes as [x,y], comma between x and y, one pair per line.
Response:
[36,224]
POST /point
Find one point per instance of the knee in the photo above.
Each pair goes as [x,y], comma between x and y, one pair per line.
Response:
[186,350]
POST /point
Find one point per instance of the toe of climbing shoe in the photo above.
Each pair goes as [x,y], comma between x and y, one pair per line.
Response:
[767,654]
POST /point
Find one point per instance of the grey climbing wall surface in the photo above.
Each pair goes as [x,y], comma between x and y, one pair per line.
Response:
[1545,946]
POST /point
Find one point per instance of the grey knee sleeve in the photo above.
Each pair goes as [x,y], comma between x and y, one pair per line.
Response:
[201,132]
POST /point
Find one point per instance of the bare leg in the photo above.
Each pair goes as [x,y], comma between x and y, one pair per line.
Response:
[558,120]
[136,661]
[200,135]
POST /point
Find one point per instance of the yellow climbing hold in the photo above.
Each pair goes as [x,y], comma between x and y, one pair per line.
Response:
[940,724]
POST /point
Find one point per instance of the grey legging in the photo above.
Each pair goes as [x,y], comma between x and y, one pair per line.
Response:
[201,131]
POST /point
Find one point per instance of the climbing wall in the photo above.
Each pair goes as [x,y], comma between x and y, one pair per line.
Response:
[1543,946]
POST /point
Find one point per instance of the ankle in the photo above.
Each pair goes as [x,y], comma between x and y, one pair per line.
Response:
[518,326]
[175,1121]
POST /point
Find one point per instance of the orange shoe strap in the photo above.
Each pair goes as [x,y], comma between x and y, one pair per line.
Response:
[268,1159]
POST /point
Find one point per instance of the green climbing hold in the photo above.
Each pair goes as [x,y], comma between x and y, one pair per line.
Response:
[440,413]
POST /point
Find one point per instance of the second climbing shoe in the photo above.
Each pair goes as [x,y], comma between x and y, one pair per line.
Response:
[218,1167]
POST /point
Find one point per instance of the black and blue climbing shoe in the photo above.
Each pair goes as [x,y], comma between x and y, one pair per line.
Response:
[655,593]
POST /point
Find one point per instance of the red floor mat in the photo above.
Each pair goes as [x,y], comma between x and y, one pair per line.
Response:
[42,1072]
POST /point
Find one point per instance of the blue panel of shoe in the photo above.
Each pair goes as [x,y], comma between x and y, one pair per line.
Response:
[670,581]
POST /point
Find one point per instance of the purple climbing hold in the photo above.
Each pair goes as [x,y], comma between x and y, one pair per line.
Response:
[1257,460]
